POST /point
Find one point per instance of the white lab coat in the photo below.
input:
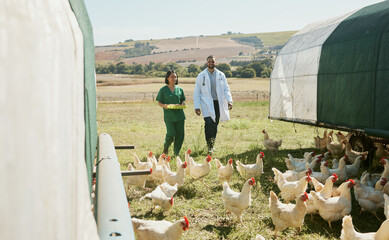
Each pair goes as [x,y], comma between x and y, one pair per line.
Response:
[202,97]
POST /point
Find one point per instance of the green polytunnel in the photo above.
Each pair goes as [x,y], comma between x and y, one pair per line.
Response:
[335,73]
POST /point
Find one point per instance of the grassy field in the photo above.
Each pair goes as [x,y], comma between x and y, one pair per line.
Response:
[141,124]
[126,87]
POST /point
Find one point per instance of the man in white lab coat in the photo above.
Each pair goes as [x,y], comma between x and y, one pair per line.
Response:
[212,97]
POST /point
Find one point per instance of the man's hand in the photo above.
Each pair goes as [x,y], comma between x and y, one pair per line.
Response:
[229,106]
[198,112]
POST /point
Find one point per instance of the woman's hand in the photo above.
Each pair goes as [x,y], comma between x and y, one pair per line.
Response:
[165,106]
[183,104]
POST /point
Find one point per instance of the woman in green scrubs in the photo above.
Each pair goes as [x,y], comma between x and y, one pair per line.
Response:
[169,95]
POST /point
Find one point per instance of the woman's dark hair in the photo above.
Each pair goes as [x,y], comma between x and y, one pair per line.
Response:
[170,72]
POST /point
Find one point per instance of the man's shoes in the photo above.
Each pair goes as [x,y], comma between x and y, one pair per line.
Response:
[211,150]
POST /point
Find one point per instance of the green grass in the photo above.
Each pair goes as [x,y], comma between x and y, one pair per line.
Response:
[141,124]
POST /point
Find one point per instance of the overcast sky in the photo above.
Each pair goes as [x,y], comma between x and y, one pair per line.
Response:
[114,21]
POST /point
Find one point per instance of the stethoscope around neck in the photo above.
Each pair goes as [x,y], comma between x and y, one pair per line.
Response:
[203,80]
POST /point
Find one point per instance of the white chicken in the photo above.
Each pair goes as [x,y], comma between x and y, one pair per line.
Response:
[270,144]
[291,175]
[174,177]
[386,206]
[287,215]
[321,143]
[336,149]
[349,233]
[163,160]
[224,173]
[334,208]
[323,174]
[385,161]
[138,180]
[341,171]
[326,189]
[352,155]
[237,202]
[157,172]
[368,198]
[381,151]
[290,190]
[187,157]
[199,171]
[385,189]
[369,179]
[251,170]
[353,169]
[308,157]
[141,165]
[168,189]
[161,230]
[380,184]
[301,166]
[159,198]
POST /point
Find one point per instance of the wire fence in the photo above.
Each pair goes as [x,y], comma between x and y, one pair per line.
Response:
[150,96]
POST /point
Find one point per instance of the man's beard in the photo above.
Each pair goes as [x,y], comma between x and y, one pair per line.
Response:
[211,66]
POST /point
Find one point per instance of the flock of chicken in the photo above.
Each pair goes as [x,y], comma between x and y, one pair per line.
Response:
[330,202]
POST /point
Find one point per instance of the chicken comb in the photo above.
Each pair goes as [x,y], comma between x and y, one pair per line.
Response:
[208,157]
[262,154]
[151,170]
[352,181]
[230,161]
[168,159]
[308,178]
[253,180]
[171,201]
[185,164]
[382,159]
[306,195]
[186,221]
[336,176]
[383,181]
[345,156]
[188,151]
[150,154]
[163,155]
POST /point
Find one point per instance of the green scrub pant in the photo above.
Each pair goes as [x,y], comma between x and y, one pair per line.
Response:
[175,132]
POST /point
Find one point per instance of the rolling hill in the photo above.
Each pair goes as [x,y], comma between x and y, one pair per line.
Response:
[193,49]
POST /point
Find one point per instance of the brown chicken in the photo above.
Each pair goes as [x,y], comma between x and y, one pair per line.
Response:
[270,144]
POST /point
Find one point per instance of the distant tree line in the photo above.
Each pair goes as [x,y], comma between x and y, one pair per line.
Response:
[250,69]
[249,40]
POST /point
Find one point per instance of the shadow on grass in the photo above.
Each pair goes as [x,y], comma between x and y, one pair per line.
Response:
[222,231]
[149,214]
[188,191]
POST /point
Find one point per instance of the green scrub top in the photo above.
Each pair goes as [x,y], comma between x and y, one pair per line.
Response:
[166,96]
